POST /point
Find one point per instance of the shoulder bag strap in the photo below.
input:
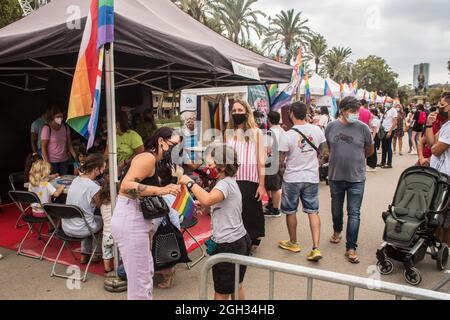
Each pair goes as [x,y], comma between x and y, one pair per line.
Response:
[306,139]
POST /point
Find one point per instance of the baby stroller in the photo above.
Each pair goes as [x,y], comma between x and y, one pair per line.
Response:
[418,208]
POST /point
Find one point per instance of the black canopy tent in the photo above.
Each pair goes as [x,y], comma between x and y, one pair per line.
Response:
[156,45]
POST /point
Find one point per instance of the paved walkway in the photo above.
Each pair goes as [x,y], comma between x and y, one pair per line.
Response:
[29,279]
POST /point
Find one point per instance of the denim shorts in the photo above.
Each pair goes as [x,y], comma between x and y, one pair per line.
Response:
[307,192]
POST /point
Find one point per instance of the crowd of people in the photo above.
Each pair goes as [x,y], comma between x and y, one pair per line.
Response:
[281,163]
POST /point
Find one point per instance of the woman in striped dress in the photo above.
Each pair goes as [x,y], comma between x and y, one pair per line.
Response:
[245,137]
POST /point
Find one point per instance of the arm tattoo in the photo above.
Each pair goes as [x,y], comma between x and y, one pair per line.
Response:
[136,192]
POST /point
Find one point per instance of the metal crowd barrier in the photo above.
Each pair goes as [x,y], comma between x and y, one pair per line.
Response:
[311,274]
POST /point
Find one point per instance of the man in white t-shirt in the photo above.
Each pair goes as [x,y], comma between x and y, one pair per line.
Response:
[440,149]
[389,122]
[299,165]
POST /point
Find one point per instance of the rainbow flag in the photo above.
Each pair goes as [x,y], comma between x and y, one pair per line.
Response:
[327,92]
[307,90]
[214,115]
[184,204]
[355,86]
[341,89]
[272,90]
[285,96]
[84,102]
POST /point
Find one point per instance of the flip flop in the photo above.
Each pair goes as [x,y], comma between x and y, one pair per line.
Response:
[352,257]
[335,239]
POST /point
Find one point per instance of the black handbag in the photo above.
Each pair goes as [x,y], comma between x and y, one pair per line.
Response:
[168,247]
[154,207]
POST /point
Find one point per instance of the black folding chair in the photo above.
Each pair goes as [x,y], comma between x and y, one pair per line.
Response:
[63,211]
[17,181]
[25,199]
[185,225]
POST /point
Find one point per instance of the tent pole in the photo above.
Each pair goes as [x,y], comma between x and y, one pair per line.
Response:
[111,121]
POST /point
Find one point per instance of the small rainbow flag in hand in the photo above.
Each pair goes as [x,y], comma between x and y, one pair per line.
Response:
[184,204]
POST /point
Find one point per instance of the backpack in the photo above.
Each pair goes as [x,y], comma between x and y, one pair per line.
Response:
[422,118]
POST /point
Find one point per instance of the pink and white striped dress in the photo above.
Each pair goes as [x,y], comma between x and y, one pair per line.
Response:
[246,153]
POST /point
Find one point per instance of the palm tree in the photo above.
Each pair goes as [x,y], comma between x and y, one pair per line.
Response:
[317,50]
[289,30]
[336,63]
[203,11]
[197,9]
[238,18]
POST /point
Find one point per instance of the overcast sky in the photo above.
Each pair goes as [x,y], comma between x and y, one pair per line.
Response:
[404,32]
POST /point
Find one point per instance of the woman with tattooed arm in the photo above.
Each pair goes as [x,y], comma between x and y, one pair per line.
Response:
[129,228]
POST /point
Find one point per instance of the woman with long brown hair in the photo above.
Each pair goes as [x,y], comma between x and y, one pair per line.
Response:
[130,230]
[244,136]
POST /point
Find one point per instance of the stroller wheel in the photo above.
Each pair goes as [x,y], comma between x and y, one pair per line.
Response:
[387,268]
[413,277]
[442,257]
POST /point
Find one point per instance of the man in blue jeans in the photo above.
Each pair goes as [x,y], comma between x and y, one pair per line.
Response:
[350,143]
[299,167]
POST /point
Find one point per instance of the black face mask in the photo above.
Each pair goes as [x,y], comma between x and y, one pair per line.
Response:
[239,118]
[443,113]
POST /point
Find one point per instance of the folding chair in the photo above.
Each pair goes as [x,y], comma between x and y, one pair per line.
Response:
[63,211]
[17,181]
[185,225]
[21,198]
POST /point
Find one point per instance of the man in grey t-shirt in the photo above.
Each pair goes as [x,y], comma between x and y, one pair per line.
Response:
[350,143]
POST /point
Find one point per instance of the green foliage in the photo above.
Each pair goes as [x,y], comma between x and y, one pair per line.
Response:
[237,17]
[434,94]
[337,65]
[287,30]
[10,11]
[373,73]
[317,48]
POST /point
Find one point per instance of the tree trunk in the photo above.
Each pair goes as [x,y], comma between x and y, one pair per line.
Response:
[287,47]
[317,61]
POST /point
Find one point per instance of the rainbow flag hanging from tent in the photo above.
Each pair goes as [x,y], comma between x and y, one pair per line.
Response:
[184,204]
[327,92]
[84,102]
[214,115]
[307,90]
[285,96]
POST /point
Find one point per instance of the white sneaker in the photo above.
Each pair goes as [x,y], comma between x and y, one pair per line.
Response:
[414,152]
[1,257]
[369,169]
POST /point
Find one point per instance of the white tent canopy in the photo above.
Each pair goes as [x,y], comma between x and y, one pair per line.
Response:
[316,85]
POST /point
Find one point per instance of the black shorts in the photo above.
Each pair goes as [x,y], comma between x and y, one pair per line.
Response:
[223,273]
[273,182]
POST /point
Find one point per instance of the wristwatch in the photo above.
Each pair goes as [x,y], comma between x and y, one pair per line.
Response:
[190,184]
[429,126]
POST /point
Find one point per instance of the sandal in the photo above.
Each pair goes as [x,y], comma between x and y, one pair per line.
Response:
[335,239]
[115,285]
[352,257]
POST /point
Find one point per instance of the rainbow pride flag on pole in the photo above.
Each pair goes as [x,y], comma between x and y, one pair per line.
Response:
[84,103]
[327,92]
[307,90]
[285,96]
[184,204]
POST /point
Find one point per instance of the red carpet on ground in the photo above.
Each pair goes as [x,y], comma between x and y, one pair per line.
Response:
[10,238]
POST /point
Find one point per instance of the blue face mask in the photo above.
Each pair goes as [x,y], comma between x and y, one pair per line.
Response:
[352,117]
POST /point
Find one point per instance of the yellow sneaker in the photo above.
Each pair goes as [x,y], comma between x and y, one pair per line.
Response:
[288,245]
[314,255]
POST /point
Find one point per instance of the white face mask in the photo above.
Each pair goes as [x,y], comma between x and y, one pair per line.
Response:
[59,120]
